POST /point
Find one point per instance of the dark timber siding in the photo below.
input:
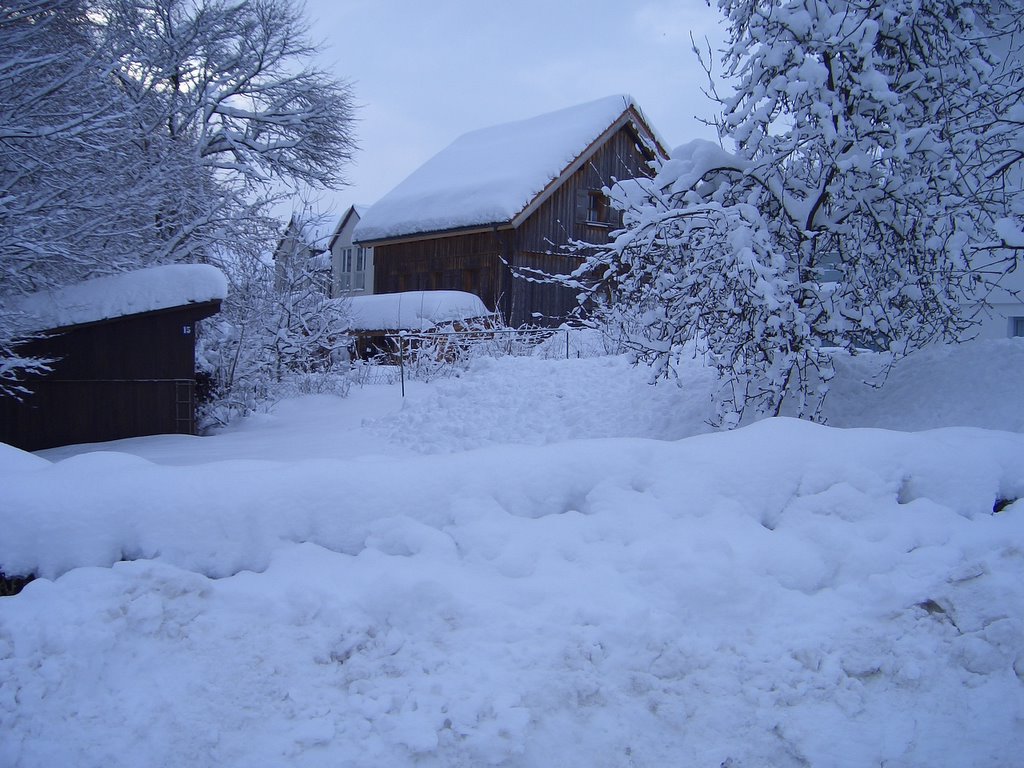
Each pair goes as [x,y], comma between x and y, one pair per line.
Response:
[558,220]
[480,263]
[455,263]
[118,378]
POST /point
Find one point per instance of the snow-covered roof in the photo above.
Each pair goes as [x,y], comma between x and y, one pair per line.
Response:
[413,310]
[488,176]
[131,293]
[320,262]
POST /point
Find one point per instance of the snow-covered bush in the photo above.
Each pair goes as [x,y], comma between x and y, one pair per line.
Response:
[872,189]
[450,350]
[270,342]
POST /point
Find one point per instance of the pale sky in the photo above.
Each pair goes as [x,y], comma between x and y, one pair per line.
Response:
[426,72]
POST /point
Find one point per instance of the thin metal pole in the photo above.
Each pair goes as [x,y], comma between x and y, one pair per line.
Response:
[566,343]
[401,359]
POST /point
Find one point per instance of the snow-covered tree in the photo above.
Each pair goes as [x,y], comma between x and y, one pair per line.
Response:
[135,132]
[278,334]
[871,190]
[226,96]
[58,126]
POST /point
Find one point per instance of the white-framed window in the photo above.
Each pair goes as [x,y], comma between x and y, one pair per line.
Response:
[353,264]
[1017,326]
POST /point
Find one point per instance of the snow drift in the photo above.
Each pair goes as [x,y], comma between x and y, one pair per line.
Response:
[786,594]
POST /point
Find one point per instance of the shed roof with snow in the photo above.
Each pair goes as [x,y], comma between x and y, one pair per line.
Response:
[130,293]
[413,310]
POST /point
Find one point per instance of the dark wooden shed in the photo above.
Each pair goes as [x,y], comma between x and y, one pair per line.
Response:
[503,203]
[126,375]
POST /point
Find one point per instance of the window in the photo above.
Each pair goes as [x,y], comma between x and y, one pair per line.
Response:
[593,208]
[1017,326]
[598,209]
[350,279]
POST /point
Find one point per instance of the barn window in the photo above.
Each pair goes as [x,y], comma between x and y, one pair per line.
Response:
[598,209]
[1017,326]
[594,208]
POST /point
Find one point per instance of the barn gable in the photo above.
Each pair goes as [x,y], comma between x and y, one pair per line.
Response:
[506,200]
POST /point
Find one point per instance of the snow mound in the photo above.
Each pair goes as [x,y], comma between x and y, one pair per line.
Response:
[14,460]
[971,385]
[974,384]
[786,594]
[413,310]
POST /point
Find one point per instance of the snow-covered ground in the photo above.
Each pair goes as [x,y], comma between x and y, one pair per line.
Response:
[539,563]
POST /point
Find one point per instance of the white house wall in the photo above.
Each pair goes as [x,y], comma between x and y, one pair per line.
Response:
[998,321]
[339,244]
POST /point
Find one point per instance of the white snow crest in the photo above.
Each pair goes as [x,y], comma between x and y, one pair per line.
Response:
[690,162]
[143,290]
[413,310]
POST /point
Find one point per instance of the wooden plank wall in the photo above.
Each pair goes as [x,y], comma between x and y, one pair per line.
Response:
[62,412]
[543,238]
[120,378]
[455,263]
[556,221]
[473,262]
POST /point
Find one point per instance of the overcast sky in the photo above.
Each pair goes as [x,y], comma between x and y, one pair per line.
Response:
[426,72]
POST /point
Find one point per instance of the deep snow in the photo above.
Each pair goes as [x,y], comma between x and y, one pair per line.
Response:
[541,562]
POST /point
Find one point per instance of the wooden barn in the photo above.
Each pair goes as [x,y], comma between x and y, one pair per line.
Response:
[124,357]
[502,201]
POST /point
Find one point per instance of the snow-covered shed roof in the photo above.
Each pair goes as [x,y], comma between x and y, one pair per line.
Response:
[131,293]
[413,310]
[493,175]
